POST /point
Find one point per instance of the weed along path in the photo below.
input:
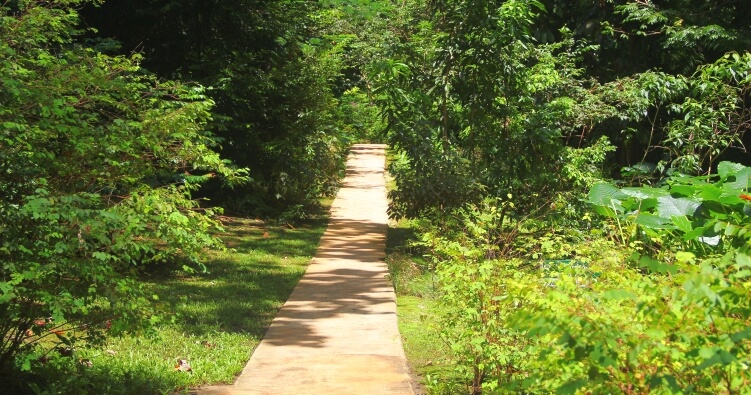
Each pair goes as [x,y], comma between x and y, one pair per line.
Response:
[337,332]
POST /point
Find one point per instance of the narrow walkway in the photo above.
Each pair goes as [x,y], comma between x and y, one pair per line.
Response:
[337,332]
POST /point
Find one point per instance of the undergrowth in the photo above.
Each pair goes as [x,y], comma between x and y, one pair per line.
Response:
[419,312]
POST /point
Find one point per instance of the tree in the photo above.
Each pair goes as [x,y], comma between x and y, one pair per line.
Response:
[272,77]
[98,159]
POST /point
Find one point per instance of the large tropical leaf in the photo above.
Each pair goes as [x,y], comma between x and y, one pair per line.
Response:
[668,206]
[742,180]
[727,169]
[607,196]
[683,223]
[652,221]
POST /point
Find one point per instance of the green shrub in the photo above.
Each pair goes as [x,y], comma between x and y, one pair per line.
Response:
[97,162]
[661,307]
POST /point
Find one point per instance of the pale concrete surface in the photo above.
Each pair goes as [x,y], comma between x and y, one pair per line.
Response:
[337,332]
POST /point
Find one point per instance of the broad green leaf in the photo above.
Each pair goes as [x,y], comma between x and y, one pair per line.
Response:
[718,357]
[742,180]
[710,192]
[605,199]
[652,221]
[745,334]
[730,198]
[616,294]
[656,266]
[742,260]
[655,333]
[668,381]
[603,194]
[682,223]
[668,206]
[727,169]
[685,257]
[102,256]
[606,211]
[644,192]
[731,229]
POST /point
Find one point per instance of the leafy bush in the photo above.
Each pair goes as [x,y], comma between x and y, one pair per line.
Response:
[483,265]
[660,307]
[361,120]
[97,163]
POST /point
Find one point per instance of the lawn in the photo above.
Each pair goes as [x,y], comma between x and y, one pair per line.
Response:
[211,320]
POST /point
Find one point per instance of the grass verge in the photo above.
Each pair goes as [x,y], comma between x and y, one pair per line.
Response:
[419,312]
[214,320]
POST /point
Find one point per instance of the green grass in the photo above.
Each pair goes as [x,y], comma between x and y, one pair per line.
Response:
[214,320]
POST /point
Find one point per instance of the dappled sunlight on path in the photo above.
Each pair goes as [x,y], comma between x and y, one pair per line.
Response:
[337,332]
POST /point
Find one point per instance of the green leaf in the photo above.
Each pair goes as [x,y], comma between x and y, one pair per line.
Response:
[652,221]
[742,180]
[742,260]
[603,194]
[605,211]
[728,169]
[617,294]
[102,256]
[668,206]
[685,257]
[571,387]
[742,335]
[683,224]
[656,266]
[642,193]
[605,199]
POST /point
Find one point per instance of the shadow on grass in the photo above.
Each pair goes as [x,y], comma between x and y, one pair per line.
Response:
[244,287]
[399,237]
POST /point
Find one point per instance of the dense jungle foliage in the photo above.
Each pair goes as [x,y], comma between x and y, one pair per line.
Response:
[577,168]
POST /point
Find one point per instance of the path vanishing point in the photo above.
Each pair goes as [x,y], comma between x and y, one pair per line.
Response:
[337,332]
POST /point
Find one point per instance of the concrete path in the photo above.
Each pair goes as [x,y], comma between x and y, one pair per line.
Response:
[337,332]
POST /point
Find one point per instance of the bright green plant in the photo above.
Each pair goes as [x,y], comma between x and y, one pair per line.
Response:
[676,318]
[360,117]
[470,280]
[697,214]
[97,163]
[661,308]
[490,268]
